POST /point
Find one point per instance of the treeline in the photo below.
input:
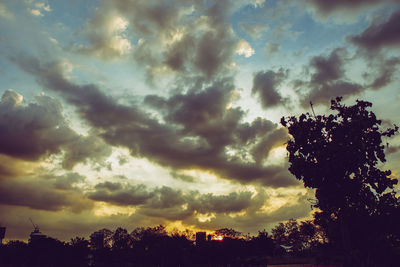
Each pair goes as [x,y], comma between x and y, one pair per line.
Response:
[154,246]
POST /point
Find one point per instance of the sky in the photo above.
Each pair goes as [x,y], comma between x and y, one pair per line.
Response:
[138,112]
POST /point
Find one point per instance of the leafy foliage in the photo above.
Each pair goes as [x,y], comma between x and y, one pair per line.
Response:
[298,237]
[338,156]
[228,232]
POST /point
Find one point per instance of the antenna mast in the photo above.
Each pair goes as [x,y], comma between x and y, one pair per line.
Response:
[312,108]
[34,225]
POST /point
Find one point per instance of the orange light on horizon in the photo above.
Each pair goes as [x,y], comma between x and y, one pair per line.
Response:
[218,238]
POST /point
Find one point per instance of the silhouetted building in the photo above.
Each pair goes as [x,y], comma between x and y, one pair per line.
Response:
[36,235]
[200,238]
[97,240]
[2,234]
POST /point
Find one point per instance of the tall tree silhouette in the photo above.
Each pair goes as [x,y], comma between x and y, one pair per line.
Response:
[338,156]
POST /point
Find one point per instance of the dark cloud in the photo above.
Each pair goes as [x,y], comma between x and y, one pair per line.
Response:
[392,149]
[12,167]
[271,140]
[167,203]
[39,129]
[35,195]
[326,7]
[43,193]
[32,131]
[249,132]
[272,48]
[63,224]
[182,176]
[380,35]
[118,194]
[149,17]
[199,125]
[266,84]
[171,204]
[328,68]
[179,53]
[254,218]
[233,202]
[326,92]
[214,50]
[205,114]
[67,181]
[251,219]
[170,36]
[386,69]
[113,24]
[86,148]
[328,79]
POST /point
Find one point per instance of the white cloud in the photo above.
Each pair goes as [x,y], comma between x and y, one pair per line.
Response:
[38,8]
[4,12]
[107,35]
[244,49]
[36,12]
[258,3]
[43,6]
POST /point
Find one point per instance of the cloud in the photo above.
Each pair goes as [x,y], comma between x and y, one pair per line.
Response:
[184,37]
[44,193]
[177,55]
[5,13]
[37,8]
[66,181]
[213,51]
[33,131]
[171,204]
[344,11]
[328,79]
[272,48]
[385,68]
[200,128]
[266,84]
[327,7]
[392,149]
[379,35]
[106,33]
[183,177]
[37,130]
[258,215]
[11,167]
[233,202]
[86,148]
[328,68]
[255,30]
[244,49]
[118,194]
[284,31]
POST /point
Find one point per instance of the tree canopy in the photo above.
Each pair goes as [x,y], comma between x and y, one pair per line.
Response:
[338,155]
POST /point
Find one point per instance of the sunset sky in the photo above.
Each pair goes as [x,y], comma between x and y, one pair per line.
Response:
[138,112]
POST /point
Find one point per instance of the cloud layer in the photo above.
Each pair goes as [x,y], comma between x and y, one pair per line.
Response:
[137,112]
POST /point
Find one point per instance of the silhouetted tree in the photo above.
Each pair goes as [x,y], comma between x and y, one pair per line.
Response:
[311,235]
[79,250]
[228,232]
[287,234]
[106,238]
[121,239]
[337,155]
[263,244]
[14,252]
